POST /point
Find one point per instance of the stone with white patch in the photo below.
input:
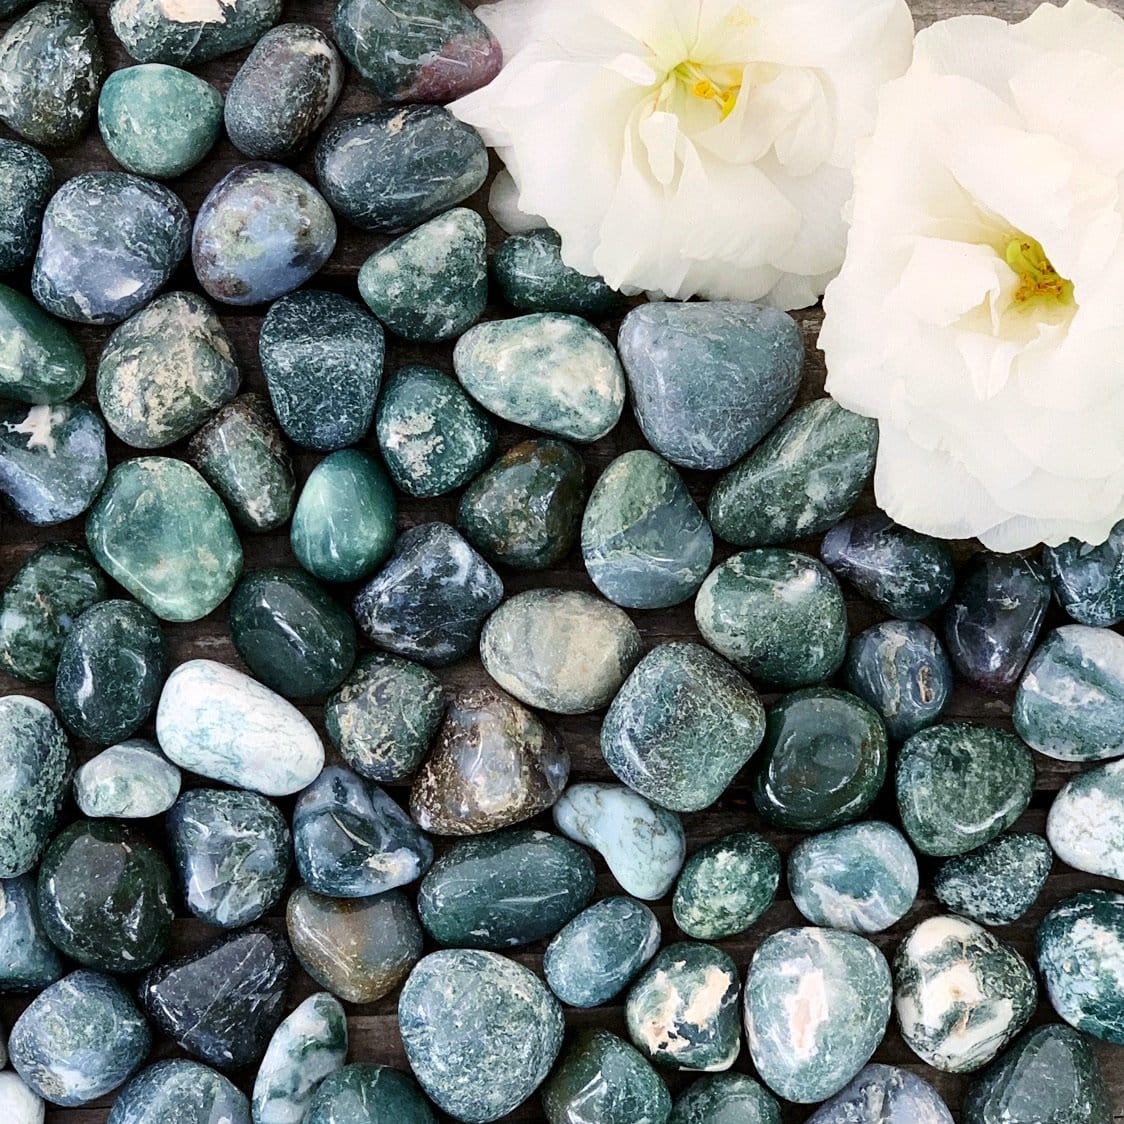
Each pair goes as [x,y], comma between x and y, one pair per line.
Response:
[1086,822]
[187,32]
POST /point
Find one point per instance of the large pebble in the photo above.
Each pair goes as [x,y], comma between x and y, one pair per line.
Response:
[363,1093]
[885,1094]
[192,31]
[1088,580]
[997,883]
[532,277]
[1086,822]
[182,1091]
[41,361]
[26,183]
[28,960]
[725,1098]
[129,781]
[726,885]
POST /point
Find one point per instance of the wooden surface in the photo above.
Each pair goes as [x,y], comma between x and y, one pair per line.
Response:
[374,1035]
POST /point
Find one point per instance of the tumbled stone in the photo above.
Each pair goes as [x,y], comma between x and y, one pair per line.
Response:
[709,380]
[352,840]
[1088,580]
[861,878]
[1086,822]
[130,781]
[165,371]
[822,762]
[51,66]
[110,243]
[525,511]
[182,1091]
[41,362]
[532,277]
[992,622]
[396,167]
[26,183]
[158,120]
[39,606]
[283,91]
[725,1098]
[219,723]
[888,1095]
[489,1057]
[159,530]
[595,956]
[726,885]
[18,1104]
[817,1003]
[385,715]
[959,786]
[362,1093]
[776,614]
[960,994]
[28,960]
[430,600]
[322,356]
[223,1002]
[111,668]
[232,852]
[105,897]
[642,844]
[290,633]
[358,948]
[997,883]
[191,33]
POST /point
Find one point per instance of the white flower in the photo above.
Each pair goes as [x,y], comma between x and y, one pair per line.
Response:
[980,312]
[689,147]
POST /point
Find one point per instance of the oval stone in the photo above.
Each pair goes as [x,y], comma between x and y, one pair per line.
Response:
[130,781]
[997,883]
[184,1091]
[726,885]
[1086,822]
[725,1098]
[532,277]
[194,32]
[41,361]
[362,1093]
[895,1095]
[1088,580]
[26,183]
[28,960]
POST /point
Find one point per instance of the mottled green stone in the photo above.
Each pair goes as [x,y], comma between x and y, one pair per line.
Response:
[343,525]
[997,883]
[362,1093]
[725,1098]
[896,1095]
[40,361]
[959,786]
[776,614]
[28,960]
[180,1091]
[532,277]
[192,33]
[26,183]
[726,885]
[1086,822]
[1088,580]
[130,781]
[158,120]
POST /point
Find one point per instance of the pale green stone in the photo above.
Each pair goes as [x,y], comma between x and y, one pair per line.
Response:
[132,780]
[1086,822]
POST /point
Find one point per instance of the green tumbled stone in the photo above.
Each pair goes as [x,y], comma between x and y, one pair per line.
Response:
[159,530]
[823,760]
[777,615]
[362,1093]
[1086,822]
[343,525]
[726,886]
[26,183]
[28,960]
[179,1091]
[547,371]
[801,480]
[532,277]
[1088,580]
[40,362]
[524,511]
[896,1094]
[959,786]
[158,120]
[725,1098]
[431,284]
[998,883]
[193,33]
[130,781]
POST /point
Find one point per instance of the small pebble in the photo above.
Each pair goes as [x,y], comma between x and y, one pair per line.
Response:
[1088,580]
[41,361]
[26,183]
[28,960]
[999,882]
[895,1095]
[725,1098]
[193,33]
[532,277]
[182,1091]
[18,1104]
[129,781]
[362,1093]
[1086,822]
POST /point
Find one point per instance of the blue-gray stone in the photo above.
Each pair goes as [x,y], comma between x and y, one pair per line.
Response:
[26,183]
[1088,580]
[152,32]
[363,1093]
[725,1098]
[182,1092]
[885,1094]
[1086,822]
[997,883]
[532,277]
[129,781]
[28,960]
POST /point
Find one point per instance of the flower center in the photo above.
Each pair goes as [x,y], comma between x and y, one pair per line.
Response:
[1039,281]
[718,84]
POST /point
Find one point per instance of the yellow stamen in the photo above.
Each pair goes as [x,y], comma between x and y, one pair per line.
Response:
[1038,279]
[703,86]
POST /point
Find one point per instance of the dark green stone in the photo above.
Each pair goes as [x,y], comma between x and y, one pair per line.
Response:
[1088,580]
[26,183]
[896,1094]
[726,1098]
[28,960]
[997,883]
[151,31]
[532,277]
[179,1091]
[41,362]
[362,1093]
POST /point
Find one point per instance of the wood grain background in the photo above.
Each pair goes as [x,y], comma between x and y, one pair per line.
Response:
[374,1034]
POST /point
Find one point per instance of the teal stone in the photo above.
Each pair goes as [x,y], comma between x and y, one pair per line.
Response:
[645,543]
[130,781]
[960,994]
[481,1032]
[594,957]
[165,371]
[525,511]
[384,716]
[1088,580]
[158,120]
[105,897]
[79,1039]
[343,526]
[362,1093]
[39,606]
[801,480]
[152,32]
[1086,822]
[35,769]
[159,530]
[725,1098]
[1070,700]
[823,760]
[601,1079]
[861,878]
[959,786]
[240,452]
[182,1091]
[548,371]
[432,436]
[51,65]
[321,355]
[1050,1074]
[682,727]
[888,1095]
[642,844]
[52,460]
[310,1045]
[999,882]
[28,960]
[503,890]
[709,379]
[432,284]
[776,614]
[26,183]
[726,885]
[817,1003]
[41,362]
[282,93]
[532,277]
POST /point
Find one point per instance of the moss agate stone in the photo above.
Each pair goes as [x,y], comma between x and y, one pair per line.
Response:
[725,1098]
[26,183]
[159,530]
[18,1103]
[182,1091]
[129,781]
[999,882]
[392,169]
[532,277]
[28,960]
[281,94]
[726,885]
[158,120]
[1086,822]
[594,957]
[959,786]
[885,1094]
[777,615]
[41,362]
[817,1003]
[1088,580]
[191,32]
[362,1093]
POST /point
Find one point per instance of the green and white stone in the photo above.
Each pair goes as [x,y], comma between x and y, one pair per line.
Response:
[1086,822]
[726,886]
[998,883]
[18,1104]
[129,781]
[190,31]
[180,1091]
[1088,579]
[725,1098]
[28,960]
[362,1093]
[532,277]
[26,183]
[40,360]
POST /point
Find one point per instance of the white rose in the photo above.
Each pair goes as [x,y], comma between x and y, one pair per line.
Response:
[689,147]
[979,315]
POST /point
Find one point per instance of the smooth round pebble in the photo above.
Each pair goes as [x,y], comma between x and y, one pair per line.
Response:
[725,1098]
[885,1094]
[182,1091]
[999,882]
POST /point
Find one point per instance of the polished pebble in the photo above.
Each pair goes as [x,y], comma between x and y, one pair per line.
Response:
[885,1094]
[41,362]
[999,882]
[26,183]
[183,1091]
[362,1093]
[1086,821]
[1088,579]
[193,33]
[532,277]
[129,781]
[725,1098]
[28,960]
